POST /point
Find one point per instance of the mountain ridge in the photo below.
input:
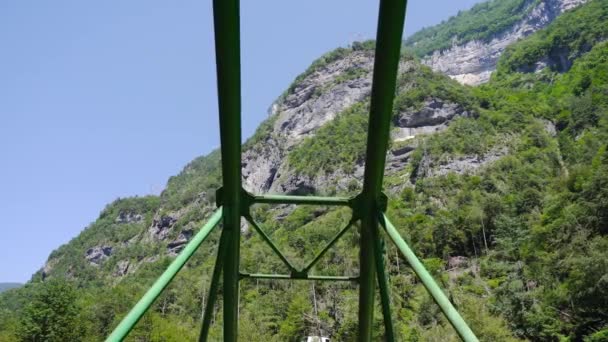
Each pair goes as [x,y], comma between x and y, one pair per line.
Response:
[471,60]
[485,183]
[9,285]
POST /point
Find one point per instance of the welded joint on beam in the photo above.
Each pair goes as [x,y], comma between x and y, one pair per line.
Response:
[358,204]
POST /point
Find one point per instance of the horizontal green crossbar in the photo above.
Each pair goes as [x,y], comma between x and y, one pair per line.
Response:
[146,301]
[293,277]
[429,283]
[310,200]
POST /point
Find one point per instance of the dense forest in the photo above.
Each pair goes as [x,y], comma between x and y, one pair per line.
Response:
[520,244]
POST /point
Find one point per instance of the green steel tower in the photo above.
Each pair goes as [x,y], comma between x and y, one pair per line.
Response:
[367,207]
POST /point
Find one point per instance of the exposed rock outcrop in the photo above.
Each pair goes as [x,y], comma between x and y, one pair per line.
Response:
[473,62]
[434,116]
[176,246]
[128,217]
[457,262]
[398,158]
[301,113]
[161,226]
[313,102]
[122,268]
[460,165]
[97,254]
[48,267]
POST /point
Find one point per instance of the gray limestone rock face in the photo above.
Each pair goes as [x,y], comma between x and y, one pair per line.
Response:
[128,217]
[122,268]
[176,246]
[398,158]
[473,62]
[315,101]
[460,165]
[434,116]
[265,166]
[161,226]
[48,267]
[97,254]
[434,112]
[457,262]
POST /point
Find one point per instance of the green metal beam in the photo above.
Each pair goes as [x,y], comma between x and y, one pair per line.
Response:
[429,283]
[270,243]
[228,61]
[292,277]
[328,246]
[213,288]
[311,200]
[388,50]
[127,323]
[385,296]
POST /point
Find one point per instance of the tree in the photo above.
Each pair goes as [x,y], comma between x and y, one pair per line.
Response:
[294,326]
[52,314]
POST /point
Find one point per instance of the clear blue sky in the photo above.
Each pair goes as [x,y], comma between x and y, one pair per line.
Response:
[107,99]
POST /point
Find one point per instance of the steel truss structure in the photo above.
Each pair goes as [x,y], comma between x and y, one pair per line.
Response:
[368,207]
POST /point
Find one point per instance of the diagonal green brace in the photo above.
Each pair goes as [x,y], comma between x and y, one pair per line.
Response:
[127,323]
[329,245]
[266,238]
[429,283]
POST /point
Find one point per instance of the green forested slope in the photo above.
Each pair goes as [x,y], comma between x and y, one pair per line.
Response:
[532,225]
[564,40]
[7,286]
[481,22]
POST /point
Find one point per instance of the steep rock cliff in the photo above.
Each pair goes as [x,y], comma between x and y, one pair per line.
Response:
[472,62]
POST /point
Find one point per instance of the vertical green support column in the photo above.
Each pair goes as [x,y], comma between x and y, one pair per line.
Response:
[388,49]
[227,51]
[213,288]
[383,284]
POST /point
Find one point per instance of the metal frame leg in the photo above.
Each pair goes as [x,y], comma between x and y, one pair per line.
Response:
[215,281]
[384,287]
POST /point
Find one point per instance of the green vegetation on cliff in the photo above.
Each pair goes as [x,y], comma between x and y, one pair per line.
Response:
[565,39]
[520,244]
[482,22]
[337,145]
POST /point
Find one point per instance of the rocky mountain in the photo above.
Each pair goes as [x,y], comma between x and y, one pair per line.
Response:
[499,188]
[470,59]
